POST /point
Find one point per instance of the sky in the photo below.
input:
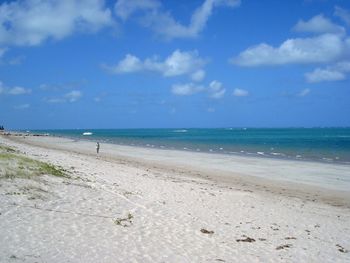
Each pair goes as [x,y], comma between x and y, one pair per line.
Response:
[67,64]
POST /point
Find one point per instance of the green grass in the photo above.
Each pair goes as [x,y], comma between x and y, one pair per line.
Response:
[4,148]
[15,165]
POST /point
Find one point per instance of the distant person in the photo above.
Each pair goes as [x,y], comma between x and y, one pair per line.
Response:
[97,147]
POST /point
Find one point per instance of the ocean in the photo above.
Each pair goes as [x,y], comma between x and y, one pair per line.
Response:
[316,144]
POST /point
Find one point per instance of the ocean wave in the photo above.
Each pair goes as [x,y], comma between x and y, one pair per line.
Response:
[179,130]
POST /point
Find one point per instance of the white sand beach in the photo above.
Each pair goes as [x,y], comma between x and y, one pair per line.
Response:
[131,204]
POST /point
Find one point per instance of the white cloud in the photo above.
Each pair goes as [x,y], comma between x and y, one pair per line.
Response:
[129,64]
[18,91]
[22,106]
[186,89]
[198,75]
[304,92]
[343,14]
[55,100]
[73,96]
[125,8]
[334,72]
[319,49]
[319,24]
[163,23]
[30,22]
[327,74]
[216,90]
[178,63]
[240,93]
[13,91]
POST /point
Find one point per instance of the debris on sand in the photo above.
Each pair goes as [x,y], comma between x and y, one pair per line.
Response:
[205,231]
[247,239]
[290,238]
[341,249]
[125,222]
[283,246]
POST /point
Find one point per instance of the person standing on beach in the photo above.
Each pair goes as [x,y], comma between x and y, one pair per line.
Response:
[97,147]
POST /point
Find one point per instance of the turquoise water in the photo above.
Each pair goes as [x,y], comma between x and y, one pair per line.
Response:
[320,144]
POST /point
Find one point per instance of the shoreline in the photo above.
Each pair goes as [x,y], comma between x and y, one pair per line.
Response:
[260,174]
[263,153]
[132,204]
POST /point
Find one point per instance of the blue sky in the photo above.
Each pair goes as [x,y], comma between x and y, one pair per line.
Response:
[152,63]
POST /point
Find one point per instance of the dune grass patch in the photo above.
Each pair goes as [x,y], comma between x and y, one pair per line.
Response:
[15,165]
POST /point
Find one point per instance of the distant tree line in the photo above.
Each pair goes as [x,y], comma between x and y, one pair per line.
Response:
[2,128]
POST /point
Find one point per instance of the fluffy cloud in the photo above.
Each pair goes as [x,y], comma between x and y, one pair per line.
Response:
[178,63]
[163,23]
[240,93]
[319,24]
[30,22]
[214,90]
[331,47]
[14,90]
[331,73]
[186,89]
[319,49]
[327,74]
[128,65]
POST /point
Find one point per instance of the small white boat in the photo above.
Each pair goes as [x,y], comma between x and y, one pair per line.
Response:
[87,133]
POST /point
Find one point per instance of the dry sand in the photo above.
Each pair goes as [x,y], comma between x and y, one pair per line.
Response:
[144,205]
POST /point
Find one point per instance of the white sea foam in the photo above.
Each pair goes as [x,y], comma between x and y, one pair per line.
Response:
[273,153]
[261,153]
[179,130]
